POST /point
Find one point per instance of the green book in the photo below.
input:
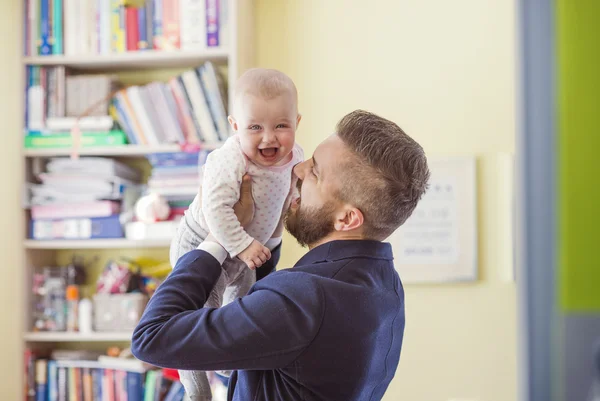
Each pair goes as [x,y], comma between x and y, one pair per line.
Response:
[88,139]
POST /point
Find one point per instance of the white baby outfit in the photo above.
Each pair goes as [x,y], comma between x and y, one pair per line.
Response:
[272,188]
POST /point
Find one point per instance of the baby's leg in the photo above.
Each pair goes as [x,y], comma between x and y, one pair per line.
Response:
[189,236]
[242,279]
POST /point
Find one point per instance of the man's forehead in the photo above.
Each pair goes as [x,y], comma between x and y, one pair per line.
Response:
[330,153]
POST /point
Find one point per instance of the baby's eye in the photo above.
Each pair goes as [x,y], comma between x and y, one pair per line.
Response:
[254,127]
[281,126]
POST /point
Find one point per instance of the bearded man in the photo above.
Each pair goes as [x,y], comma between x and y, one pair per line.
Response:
[331,327]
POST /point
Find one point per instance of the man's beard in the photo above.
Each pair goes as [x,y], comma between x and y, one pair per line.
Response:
[309,225]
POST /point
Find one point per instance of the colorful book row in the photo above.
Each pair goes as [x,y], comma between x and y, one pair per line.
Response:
[55,27]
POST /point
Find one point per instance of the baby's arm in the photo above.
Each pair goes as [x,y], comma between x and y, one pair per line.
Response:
[223,174]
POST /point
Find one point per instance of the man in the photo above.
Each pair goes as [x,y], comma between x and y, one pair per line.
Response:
[331,328]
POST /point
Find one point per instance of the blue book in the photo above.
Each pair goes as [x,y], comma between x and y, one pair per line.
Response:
[57,27]
[157,31]
[45,34]
[135,386]
[142,29]
[52,381]
[124,122]
[97,375]
[150,23]
[80,228]
[176,392]
[174,159]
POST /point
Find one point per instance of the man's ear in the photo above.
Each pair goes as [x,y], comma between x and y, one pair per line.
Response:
[233,123]
[348,219]
[298,120]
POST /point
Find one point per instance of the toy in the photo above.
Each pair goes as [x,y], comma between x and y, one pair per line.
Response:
[152,208]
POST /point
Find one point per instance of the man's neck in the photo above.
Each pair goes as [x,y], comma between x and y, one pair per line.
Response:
[337,236]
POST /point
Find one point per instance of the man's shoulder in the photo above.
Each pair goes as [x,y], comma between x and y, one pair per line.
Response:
[294,283]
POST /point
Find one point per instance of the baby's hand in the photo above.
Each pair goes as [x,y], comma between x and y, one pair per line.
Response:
[255,255]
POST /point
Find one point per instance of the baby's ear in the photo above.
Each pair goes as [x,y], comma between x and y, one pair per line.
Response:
[233,123]
[298,120]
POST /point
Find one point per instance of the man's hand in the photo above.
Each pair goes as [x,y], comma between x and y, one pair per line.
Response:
[255,255]
[244,208]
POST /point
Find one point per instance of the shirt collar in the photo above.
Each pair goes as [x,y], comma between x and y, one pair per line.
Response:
[347,249]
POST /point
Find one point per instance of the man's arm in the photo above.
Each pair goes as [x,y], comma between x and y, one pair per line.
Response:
[267,329]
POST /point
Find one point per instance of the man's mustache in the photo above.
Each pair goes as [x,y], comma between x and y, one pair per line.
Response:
[299,184]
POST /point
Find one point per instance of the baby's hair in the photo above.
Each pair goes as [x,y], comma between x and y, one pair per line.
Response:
[265,83]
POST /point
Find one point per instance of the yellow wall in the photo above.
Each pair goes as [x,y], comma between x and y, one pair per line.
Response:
[11,283]
[445,72]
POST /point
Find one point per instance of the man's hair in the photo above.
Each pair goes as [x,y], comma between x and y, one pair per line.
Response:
[387,174]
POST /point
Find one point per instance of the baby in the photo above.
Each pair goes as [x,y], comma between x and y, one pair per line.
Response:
[264,119]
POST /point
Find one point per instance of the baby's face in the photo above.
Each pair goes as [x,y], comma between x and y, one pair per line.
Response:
[267,128]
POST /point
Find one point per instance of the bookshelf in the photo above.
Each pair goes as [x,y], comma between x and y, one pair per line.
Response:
[77,337]
[110,151]
[234,58]
[95,244]
[150,59]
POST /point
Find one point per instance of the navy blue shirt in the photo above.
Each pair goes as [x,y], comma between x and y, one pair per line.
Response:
[330,329]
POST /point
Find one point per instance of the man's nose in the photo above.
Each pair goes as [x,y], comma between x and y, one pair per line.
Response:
[300,169]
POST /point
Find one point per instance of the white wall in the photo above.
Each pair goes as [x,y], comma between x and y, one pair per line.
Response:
[11,263]
[445,72]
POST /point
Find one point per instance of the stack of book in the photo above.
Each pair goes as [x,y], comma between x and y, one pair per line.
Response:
[55,27]
[55,98]
[82,199]
[81,375]
[190,109]
[175,177]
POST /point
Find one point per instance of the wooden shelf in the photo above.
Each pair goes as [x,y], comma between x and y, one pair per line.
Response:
[120,243]
[149,59]
[124,151]
[76,337]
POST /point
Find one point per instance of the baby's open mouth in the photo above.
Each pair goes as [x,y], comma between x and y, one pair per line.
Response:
[268,152]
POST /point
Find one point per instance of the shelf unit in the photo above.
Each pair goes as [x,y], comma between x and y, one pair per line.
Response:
[237,57]
[95,244]
[63,337]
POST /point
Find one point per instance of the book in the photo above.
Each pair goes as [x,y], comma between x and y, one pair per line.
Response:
[57,27]
[170,10]
[101,208]
[88,139]
[132,31]
[82,228]
[193,24]
[212,23]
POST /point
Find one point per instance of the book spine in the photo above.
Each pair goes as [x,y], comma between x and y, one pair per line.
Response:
[45,46]
[97,383]
[26,28]
[33,18]
[193,24]
[86,228]
[212,23]
[57,25]
[171,24]
[78,210]
[157,16]
[117,27]
[149,23]
[223,22]
[190,108]
[52,381]
[142,43]
[115,138]
[132,28]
